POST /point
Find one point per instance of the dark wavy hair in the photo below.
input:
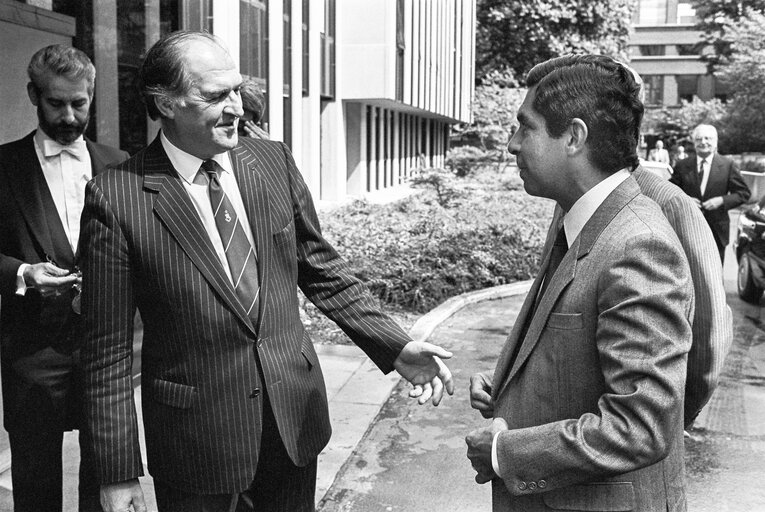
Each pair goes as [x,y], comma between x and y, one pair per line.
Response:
[600,91]
[163,71]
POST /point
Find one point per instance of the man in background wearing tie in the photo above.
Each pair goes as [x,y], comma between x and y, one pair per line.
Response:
[42,191]
[714,183]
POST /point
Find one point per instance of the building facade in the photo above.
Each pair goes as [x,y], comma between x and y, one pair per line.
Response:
[663,50]
[362,91]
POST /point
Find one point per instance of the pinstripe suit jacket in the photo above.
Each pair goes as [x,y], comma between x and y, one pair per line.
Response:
[202,357]
[38,333]
[593,398]
[712,320]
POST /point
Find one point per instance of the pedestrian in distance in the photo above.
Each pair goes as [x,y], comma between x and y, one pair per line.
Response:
[659,154]
[209,235]
[42,190]
[713,182]
[587,394]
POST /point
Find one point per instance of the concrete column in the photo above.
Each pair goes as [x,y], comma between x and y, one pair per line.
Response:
[105,60]
[396,153]
[356,148]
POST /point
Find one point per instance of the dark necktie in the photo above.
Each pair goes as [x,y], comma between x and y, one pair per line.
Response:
[558,251]
[242,260]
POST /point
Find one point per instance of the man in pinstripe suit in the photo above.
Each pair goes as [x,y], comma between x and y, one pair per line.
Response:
[234,404]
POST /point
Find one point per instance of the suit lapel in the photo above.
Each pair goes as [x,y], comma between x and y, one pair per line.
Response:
[36,204]
[514,338]
[249,178]
[567,270]
[175,209]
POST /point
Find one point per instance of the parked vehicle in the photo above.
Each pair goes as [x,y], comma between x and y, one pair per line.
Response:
[749,247]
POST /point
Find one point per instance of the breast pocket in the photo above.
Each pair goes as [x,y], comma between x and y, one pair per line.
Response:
[565,321]
[285,234]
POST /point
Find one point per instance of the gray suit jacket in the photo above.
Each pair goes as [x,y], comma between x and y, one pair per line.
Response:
[594,397]
[712,320]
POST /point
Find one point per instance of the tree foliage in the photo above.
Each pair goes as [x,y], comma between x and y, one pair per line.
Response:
[744,72]
[714,20]
[514,35]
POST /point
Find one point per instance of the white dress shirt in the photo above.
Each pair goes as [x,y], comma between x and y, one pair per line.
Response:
[196,185]
[67,169]
[573,222]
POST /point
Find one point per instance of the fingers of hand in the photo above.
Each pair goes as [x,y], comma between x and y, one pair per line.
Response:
[445,376]
[427,392]
[435,350]
[415,391]
[438,390]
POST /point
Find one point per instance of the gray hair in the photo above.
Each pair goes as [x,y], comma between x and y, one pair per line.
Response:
[61,60]
[163,72]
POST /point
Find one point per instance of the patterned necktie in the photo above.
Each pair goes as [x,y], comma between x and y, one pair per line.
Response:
[242,260]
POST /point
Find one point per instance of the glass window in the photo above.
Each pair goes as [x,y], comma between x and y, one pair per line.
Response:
[305,42]
[687,86]
[328,51]
[653,50]
[686,13]
[253,40]
[400,47]
[654,89]
[652,12]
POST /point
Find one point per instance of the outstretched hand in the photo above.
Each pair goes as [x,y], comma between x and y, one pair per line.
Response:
[420,363]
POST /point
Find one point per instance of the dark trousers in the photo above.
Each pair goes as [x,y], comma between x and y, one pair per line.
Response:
[278,485]
[36,473]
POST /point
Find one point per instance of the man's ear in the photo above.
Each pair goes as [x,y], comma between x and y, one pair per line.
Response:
[577,136]
[165,105]
[34,97]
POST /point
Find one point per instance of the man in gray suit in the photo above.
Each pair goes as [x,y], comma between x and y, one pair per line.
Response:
[209,235]
[587,393]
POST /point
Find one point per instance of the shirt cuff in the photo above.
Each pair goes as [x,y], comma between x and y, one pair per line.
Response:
[21,286]
[494,458]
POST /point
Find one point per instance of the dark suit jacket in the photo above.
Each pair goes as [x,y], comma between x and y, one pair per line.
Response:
[594,398]
[205,365]
[724,180]
[30,326]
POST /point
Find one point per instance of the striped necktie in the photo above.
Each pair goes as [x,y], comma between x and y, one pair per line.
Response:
[242,259]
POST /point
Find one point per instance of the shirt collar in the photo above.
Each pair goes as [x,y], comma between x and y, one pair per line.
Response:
[45,143]
[187,164]
[585,206]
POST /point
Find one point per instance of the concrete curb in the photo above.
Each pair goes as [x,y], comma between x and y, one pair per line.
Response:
[425,326]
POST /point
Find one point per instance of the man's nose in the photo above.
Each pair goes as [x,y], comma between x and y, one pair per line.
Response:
[234,105]
[67,114]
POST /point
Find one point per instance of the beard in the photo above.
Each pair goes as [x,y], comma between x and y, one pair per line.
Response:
[62,132]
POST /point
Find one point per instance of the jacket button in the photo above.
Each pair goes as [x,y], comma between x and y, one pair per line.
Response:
[522,486]
[532,486]
[255,393]
[542,484]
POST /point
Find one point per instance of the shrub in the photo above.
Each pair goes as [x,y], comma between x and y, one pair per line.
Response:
[464,159]
[415,253]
